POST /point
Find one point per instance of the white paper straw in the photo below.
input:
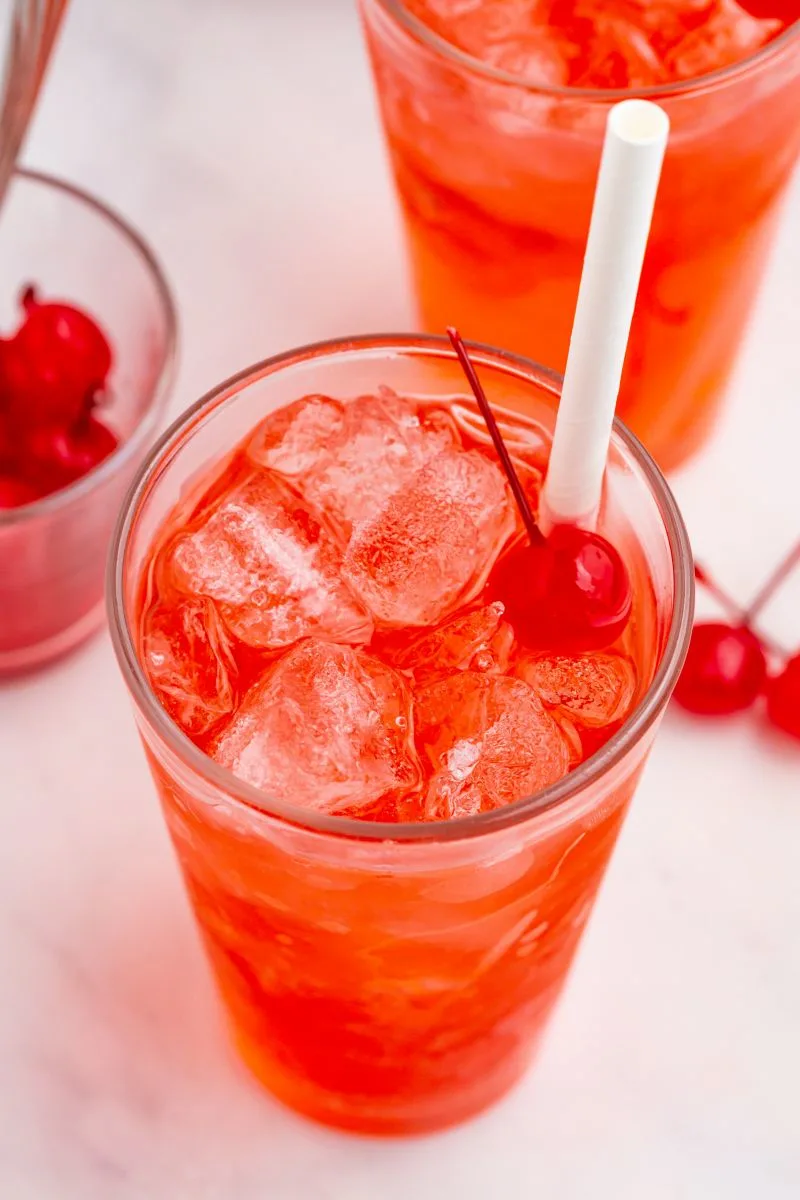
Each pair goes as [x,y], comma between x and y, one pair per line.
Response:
[630,166]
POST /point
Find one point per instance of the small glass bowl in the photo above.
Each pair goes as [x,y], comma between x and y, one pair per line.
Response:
[53,552]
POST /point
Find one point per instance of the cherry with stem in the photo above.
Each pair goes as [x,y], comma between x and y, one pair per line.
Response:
[568,592]
[58,457]
[723,599]
[782,689]
[768,589]
[535,535]
[726,668]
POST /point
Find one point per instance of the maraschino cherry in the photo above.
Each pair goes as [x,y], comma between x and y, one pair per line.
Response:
[783,698]
[569,591]
[59,456]
[724,672]
[726,668]
[52,374]
[15,492]
[57,358]
[783,688]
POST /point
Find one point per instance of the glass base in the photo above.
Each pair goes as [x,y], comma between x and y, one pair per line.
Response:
[382,1117]
[31,658]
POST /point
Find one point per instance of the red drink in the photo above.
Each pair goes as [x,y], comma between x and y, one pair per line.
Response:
[392,814]
[494,114]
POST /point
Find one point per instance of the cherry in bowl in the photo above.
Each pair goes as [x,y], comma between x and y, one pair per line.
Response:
[88,331]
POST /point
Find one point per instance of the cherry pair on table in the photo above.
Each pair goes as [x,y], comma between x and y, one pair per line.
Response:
[727,665]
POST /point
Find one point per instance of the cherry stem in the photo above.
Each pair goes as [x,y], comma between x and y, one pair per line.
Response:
[27,298]
[92,401]
[765,593]
[742,616]
[534,532]
[730,605]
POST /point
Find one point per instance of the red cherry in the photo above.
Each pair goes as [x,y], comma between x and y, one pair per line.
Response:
[8,446]
[16,492]
[58,357]
[724,672]
[783,698]
[783,10]
[57,457]
[569,592]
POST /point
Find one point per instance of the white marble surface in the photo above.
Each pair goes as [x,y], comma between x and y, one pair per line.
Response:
[240,136]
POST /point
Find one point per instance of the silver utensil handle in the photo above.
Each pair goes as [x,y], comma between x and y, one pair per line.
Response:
[32,29]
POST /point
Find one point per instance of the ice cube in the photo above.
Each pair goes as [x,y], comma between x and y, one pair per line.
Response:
[470,24]
[619,54]
[185,651]
[348,459]
[666,21]
[527,439]
[272,569]
[489,741]
[327,727]
[383,442]
[453,646]
[434,544]
[726,36]
[591,690]
[296,439]
[538,57]
[445,10]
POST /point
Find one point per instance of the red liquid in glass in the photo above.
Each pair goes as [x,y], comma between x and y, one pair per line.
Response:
[496,177]
[317,615]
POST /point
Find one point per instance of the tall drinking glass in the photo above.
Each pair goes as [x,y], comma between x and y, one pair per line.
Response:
[395,977]
[496,176]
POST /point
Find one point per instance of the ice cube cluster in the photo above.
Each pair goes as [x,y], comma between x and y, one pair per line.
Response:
[317,621]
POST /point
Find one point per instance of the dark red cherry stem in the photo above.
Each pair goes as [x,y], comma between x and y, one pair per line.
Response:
[745,617]
[768,589]
[569,592]
[740,618]
[534,532]
[726,667]
[27,298]
[783,688]
[723,599]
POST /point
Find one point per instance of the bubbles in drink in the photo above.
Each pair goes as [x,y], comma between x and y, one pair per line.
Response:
[469,637]
[592,690]
[326,728]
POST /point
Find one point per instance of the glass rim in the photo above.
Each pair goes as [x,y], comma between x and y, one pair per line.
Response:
[413,25]
[130,446]
[351,828]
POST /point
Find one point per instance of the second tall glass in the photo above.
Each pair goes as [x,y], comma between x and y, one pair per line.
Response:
[496,177]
